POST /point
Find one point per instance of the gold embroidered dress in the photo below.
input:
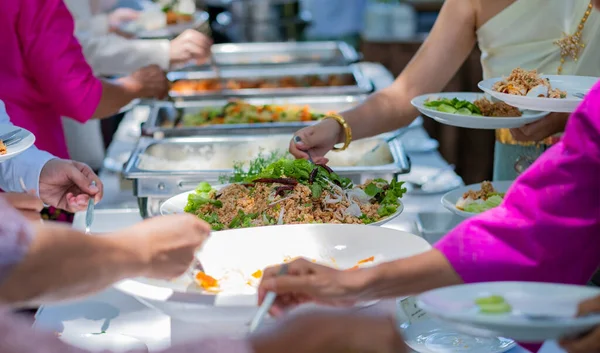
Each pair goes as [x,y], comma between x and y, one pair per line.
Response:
[529,34]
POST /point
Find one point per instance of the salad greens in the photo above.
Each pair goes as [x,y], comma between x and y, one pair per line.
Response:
[488,204]
[453,106]
[255,166]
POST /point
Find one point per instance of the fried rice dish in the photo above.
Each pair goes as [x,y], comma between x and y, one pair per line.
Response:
[496,109]
[2,148]
[527,83]
[294,192]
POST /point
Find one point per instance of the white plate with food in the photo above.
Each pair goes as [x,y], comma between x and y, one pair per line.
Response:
[156,24]
[524,311]
[290,192]
[529,90]
[431,336]
[233,261]
[473,110]
[14,141]
[473,199]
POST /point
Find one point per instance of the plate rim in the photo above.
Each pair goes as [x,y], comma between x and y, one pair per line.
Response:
[446,202]
[25,144]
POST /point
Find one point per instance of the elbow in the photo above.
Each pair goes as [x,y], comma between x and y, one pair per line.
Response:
[82,105]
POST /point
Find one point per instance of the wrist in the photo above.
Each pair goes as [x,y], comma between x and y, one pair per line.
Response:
[131,87]
[129,253]
[368,282]
[335,128]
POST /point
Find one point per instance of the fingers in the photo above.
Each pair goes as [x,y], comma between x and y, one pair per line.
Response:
[295,151]
[24,201]
[589,306]
[96,191]
[518,135]
[541,129]
[588,344]
[31,215]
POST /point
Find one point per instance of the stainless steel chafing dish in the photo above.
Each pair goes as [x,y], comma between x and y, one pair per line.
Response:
[284,53]
[353,82]
[164,116]
[153,185]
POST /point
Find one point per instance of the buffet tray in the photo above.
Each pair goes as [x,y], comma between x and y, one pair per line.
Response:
[151,187]
[164,116]
[284,54]
[354,82]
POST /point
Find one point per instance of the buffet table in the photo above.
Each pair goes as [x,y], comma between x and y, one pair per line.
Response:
[114,312]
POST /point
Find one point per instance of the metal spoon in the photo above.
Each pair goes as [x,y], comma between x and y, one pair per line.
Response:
[266,305]
[89,215]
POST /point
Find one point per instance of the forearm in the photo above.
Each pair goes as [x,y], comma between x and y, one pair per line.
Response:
[408,276]
[115,95]
[63,263]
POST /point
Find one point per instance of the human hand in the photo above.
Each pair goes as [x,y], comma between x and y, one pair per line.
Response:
[167,245]
[121,15]
[28,205]
[318,139]
[190,45]
[306,281]
[149,82]
[330,332]
[589,343]
[538,130]
[67,185]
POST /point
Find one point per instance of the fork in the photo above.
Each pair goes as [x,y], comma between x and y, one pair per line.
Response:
[579,95]
[9,135]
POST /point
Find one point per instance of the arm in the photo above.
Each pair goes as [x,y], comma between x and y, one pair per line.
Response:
[28,165]
[86,264]
[53,56]
[437,61]
[545,230]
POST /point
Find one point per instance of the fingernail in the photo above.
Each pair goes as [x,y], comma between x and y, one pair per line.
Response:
[94,188]
[297,139]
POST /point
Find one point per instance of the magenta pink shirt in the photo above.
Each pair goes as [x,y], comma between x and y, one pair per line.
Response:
[43,73]
[548,227]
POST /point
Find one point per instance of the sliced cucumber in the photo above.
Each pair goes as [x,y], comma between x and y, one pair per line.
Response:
[464,111]
[500,308]
[445,108]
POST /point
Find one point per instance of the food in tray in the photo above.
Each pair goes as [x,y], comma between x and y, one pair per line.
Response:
[238,281]
[493,304]
[293,192]
[194,86]
[479,107]
[481,200]
[224,156]
[174,17]
[3,149]
[239,112]
[528,83]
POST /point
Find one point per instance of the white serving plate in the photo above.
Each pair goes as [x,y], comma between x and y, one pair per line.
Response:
[250,249]
[449,199]
[571,84]
[469,121]
[455,305]
[18,148]
[105,342]
[177,203]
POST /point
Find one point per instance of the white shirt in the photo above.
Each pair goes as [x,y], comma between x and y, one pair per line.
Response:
[28,165]
[109,54]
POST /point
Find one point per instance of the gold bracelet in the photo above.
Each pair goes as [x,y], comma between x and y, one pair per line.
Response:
[347,131]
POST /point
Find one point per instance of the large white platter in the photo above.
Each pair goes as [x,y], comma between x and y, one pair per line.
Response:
[247,250]
[177,203]
[449,199]
[18,148]
[573,85]
[455,306]
[470,121]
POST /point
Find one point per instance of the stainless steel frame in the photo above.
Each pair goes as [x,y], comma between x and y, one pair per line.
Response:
[164,115]
[154,187]
[285,53]
[360,84]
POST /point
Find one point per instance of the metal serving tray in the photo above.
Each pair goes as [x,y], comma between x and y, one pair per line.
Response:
[164,116]
[284,54]
[355,83]
[152,187]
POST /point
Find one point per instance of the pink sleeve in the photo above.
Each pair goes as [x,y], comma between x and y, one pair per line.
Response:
[18,337]
[55,59]
[548,227]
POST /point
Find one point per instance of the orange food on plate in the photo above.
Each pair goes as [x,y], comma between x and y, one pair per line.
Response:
[205,281]
[2,148]
[258,274]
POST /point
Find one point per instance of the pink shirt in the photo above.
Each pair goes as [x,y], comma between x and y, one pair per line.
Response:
[43,73]
[548,227]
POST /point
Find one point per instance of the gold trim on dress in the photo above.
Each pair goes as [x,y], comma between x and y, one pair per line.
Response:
[504,136]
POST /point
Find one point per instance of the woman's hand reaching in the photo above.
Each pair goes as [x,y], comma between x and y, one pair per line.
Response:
[541,129]
[317,139]
[306,281]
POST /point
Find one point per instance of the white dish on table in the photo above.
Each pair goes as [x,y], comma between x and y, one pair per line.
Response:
[419,144]
[573,85]
[105,342]
[242,252]
[449,199]
[21,146]
[177,203]
[432,336]
[152,24]
[471,121]
[456,307]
